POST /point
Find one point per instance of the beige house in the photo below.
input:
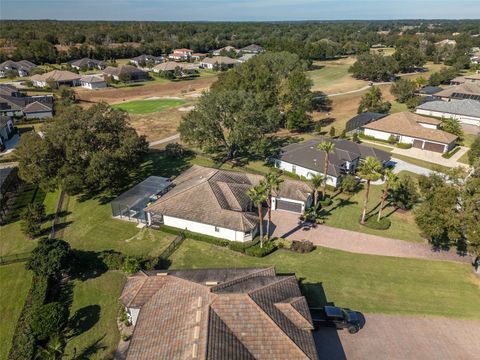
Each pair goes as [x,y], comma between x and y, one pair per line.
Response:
[57,77]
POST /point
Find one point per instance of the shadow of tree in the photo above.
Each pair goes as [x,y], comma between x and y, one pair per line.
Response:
[83,320]
[90,350]
[86,264]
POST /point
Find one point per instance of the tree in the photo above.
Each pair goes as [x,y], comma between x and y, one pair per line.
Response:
[82,151]
[370,170]
[131,265]
[409,58]
[403,90]
[373,101]
[272,181]
[374,67]
[328,147]
[391,181]
[404,195]
[471,215]
[355,137]
[349,184]
[258,195]
[442,77]
[332,131]
[474,152]
[53,350]
[49,320]
[175,150]
[317,181]
[452,126]
[49,258]
[32,218]
[124,77]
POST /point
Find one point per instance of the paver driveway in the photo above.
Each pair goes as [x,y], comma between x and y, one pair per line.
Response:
[396,337]
[287,225]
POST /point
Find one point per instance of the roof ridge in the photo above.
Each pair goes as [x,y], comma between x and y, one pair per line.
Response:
[139,288]
[280,279]
[235,280]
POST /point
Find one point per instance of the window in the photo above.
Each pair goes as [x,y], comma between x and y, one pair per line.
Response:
[217,229]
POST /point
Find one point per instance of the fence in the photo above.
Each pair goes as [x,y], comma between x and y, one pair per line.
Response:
[14,258]
[174,245]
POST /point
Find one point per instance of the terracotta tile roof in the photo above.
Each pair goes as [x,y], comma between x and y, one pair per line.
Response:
[407,123]
[223,193]
[184,319]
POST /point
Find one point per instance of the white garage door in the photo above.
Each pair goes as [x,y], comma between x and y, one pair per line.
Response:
[289,206]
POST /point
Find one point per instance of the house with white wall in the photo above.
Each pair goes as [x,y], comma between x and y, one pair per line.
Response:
[465,111]
[93,82]
[306,160]
[218,62]
[181,54]
[409,128]
[214,202]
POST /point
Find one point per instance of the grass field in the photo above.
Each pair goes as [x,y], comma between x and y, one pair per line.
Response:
[15,282]
[365,283]
[149,106]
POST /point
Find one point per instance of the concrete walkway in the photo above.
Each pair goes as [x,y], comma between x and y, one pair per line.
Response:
[165,140]
[287,225]
[396,337]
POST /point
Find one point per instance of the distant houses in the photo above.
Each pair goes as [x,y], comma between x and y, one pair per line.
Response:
[20,68]
[252,49]
[306,160]
[181,54]
[56,78]
[144,59]
[466,111]
[14,103]
[126,73]
[87,64]
[218,62]
[6,130]
[466,90]
[223,50]
[93,82]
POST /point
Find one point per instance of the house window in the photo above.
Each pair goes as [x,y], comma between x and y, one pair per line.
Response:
[294,169]
[217,229]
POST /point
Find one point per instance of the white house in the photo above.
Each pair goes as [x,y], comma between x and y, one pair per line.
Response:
[56,77]
[409,128]
[181,54]
[214,202]
[93,82]
[218,61]
[465,111]
[22,67]
[305,159]
[37,110]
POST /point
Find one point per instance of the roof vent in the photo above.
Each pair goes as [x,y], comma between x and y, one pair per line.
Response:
[211,283]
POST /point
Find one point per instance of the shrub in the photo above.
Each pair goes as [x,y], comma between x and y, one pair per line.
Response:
[327,202]
[175,150]
[131,265]
[355,138]
[49,320]
[349,184]
[195,236]
[302,246]
[281,243]
[449,154]
[373,223]
[392,139]
[318,128]
[49,258]
[125,337]
[242,246]
[112,259]
[257,251]
[404,146]
[332,131]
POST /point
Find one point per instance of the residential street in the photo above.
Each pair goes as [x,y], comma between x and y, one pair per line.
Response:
[396,337]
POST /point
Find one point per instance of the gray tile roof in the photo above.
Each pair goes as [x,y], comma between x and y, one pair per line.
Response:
[458,107]
[87,62]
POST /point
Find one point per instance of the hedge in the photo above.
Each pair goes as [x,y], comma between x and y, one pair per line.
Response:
[404,146]
[449,154]
[257,251]
[383,224]
[195,236]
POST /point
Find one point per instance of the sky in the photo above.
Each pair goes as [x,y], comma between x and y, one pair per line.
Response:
[238,10]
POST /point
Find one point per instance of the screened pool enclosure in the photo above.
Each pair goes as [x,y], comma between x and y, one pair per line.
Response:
[130,204]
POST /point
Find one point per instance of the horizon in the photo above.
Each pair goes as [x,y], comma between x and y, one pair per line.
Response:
[238,10]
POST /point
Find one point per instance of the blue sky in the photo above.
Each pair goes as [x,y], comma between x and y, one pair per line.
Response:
[238,10]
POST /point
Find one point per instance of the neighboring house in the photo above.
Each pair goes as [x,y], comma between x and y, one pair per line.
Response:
[218,314]
[408,128]
[218,61]
[171,66]
[252,49]
[198,56]
[465,111]
[22,67]
[429,90]
[87,63]
[355,123]
[465,79]
[215,203]
[146,59]
[181,54]
[467,90]
[133,73]
[57,78]
[305,159]
[245,57]
[15,103]
[93,82]
[229,48]
[446,42]
[457,80]
[6,130]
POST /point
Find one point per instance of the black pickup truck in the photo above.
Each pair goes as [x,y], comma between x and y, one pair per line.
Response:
[336,317]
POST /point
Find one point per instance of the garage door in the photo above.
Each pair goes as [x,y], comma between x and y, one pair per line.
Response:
[434,147]
[289,206]
[417,144]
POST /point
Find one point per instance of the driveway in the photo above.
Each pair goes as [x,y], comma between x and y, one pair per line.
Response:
[397,337]
[287,225]
[401,165]
[432,156]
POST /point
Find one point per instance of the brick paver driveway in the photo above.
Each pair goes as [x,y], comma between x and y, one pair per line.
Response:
[403,338]
[287,225]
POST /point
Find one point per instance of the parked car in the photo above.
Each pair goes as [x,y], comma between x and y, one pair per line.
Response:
[336,317]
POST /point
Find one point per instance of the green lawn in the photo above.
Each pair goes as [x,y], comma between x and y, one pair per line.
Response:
[148,106]
[365,283]
[15,282]
[95,302]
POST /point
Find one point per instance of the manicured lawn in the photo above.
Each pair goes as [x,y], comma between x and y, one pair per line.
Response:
[95,304]
[148,106]
[365,283]
[15,282]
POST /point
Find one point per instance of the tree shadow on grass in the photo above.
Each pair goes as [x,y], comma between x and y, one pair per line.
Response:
[90,350]
[83,320]
[86,265]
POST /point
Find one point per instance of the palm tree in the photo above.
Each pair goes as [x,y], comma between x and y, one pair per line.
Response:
[370,170]
[272,181]
[316,180]
[329,148]
[258,195]
[391,181]
[53,350]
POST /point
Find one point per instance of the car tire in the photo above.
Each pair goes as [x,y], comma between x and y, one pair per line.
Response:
[353,330]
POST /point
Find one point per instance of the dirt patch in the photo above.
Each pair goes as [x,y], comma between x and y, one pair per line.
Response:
[159,125]
[172,89]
